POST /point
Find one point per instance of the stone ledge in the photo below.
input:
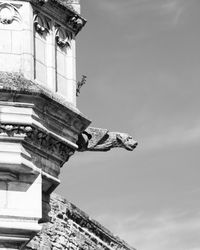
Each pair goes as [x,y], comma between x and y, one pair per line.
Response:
[16,83]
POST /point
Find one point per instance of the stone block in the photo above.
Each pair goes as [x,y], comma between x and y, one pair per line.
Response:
[40,50]
[16,43]
[10,62]
[61,63]
[41,70]
[62,86]
[70,68]
[6,41]
[27,45]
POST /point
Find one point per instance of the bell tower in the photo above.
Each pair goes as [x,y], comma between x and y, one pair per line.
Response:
[39,121]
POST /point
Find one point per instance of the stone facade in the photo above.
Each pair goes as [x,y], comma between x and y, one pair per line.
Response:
[72,229]
[41,128]
[38,40]
[38,134]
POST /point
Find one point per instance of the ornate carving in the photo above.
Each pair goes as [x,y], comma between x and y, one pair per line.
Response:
[41,24]
[9,13]
[40,139]
[76,23]
[63,37]
[97,139]
[14,130]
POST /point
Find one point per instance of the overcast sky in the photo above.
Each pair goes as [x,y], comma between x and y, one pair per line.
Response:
[142,61]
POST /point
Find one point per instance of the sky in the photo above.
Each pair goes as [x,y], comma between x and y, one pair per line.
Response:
[142,62]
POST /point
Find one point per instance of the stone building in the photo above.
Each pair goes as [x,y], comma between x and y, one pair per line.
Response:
[41,127]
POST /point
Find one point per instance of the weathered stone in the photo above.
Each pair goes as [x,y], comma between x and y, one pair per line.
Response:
[98,139]
[41,128]
[79,232]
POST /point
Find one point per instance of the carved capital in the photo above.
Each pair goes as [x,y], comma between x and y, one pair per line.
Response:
[41,24]
[9,13]
[63,37]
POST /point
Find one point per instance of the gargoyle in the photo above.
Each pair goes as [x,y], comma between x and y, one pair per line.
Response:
[98,139]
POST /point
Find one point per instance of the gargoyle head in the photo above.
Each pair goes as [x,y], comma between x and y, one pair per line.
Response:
[126,141]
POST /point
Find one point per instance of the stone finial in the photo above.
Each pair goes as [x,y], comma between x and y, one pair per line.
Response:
[98,139]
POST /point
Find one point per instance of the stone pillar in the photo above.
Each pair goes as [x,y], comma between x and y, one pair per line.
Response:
[39,121]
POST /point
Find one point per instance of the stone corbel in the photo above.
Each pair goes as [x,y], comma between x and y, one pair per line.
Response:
[41,24]
[63,37]
[76,23]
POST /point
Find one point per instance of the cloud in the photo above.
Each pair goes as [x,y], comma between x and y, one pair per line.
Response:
[173,8]
[166,10]
[174,230]
[174,136]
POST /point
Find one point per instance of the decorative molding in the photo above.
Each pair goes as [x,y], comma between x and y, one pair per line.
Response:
[12,130]
[42,140]
[41,24]
[12,84]
[9,13]
[63,37]
[8,176]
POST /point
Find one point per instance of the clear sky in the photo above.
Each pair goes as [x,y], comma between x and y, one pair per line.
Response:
[142,61]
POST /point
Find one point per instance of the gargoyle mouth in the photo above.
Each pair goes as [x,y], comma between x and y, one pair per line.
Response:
[131,147]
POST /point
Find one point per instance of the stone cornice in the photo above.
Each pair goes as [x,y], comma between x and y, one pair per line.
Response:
[14,85]
[39,139]
[63,9]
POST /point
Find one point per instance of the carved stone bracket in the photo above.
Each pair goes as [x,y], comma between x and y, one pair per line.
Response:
[9,13]
[63,37]
[41,24]
[76,23]
[42,140]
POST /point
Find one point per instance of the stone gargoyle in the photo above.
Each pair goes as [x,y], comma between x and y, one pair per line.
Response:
[98,139]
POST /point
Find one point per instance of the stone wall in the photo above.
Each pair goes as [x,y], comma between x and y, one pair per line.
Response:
[70,228]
